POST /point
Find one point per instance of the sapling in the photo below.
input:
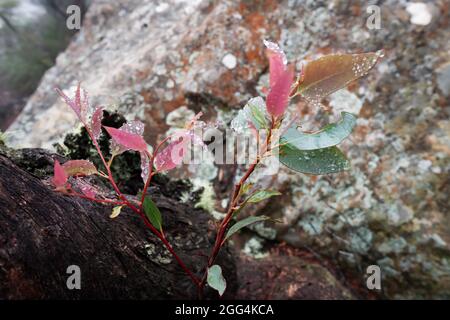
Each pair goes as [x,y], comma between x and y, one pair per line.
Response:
[311,153]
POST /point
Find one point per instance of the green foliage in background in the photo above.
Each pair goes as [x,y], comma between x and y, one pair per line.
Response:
[32,48]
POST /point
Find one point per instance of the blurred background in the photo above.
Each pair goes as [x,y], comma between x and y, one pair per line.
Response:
[162,61]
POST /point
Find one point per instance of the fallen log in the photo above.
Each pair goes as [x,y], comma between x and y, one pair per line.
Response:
[43,233]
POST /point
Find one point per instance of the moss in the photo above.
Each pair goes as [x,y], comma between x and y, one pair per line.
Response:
[2,138]
[207,199]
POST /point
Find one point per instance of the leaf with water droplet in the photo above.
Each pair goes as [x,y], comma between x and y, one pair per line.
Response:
[127,140]
[96,122]
[253,112]
[79,167]
[133,127]
[277,61]
[329,136]
[278,96]
[330,73]
[319,161]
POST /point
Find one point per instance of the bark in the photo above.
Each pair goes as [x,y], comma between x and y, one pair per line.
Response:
[42,232]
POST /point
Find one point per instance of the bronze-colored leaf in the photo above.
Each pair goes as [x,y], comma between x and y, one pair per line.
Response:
[330,73]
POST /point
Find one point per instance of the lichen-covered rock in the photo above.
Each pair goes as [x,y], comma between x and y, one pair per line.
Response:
[150,58]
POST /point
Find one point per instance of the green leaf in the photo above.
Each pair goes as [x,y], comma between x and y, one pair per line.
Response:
[320,161]
[255,112]
[258,115]
[244,223]
[152,212]
[246,187]
[216,280]
[261,195]
[328,136]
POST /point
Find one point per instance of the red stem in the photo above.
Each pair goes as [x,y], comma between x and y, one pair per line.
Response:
[234,201]
[139,211]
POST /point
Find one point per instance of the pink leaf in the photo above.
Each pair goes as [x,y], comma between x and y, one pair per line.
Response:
[88,191]
[278,97]
[277,61]
[59,176]
[69,102]
[135,127]
[172,156]
[78,97]
[128,140]
[79,167]
[79,104]
[96,122]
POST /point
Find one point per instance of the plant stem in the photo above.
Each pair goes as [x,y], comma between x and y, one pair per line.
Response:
[219,242]
[140,211]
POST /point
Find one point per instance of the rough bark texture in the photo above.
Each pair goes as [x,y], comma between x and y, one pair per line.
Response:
[43,232]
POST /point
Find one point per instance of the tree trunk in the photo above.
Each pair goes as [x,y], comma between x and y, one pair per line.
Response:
[43,232]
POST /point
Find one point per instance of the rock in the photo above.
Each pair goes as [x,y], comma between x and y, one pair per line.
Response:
[181,54]
[420,13]
[443,79]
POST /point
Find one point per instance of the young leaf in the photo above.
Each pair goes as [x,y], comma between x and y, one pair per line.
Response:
[329,136]
[129,141]
[258,114]
[244,223]
[319,161]
[278,97]
[215,279]
[277,61]
[246,187]
[96,122]
[79,104]
[79,167]
[261,195]
[172,155]
[152,212]
[71,103]
[133,127]
[59,176]
[254,112]
[330,73]
[115,212]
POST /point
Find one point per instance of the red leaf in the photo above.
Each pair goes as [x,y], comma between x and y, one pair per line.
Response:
[172,156]
[69,102]
[96,122]
[278,97]
[277,62]
[59,176]
[134,127]
[126,139]
[79,167]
